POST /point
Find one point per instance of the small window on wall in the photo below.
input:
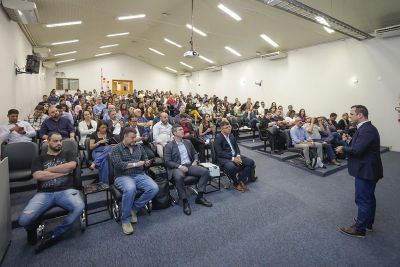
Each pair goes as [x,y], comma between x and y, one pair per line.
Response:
[66,83]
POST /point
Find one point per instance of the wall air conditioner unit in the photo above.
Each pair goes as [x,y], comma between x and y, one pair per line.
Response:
[388,31]
[49,64]
[42,52]
[21,11]
[186,74]
[274,55]
[214,68]
[59,74]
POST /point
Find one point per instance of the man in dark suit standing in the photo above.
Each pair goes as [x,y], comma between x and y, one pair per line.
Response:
[181,159]
[228,156]
[364,163]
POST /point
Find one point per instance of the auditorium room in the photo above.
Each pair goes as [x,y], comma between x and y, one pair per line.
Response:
[200,133]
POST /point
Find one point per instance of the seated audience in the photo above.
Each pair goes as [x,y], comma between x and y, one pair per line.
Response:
[228,155]
[142,137]
[37,118]
[181,160]
[53,173]
[128,160]
[249,117]
[56,123]
[114,125]
[344,123]
[162,133]
[100,145]
[64,111]
[207,129]
[86,127]
[302,114]
[189,134]
[182,113]
[15,130]
[301,140]
[98,108]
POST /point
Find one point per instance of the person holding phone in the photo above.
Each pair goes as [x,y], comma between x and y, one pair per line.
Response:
[129,160]
[100,147]
[16,130]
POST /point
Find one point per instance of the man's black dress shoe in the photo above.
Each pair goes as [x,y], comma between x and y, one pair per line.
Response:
[47,242]
[186,208]
[203,201]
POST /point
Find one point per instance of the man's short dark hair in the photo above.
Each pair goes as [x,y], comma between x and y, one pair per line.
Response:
[333,114]
[129,130]
[224,123]
[361,109]
[175,127]
[51,135]
[12,111]
[39,107]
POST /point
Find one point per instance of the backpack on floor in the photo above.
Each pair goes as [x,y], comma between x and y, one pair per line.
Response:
[162,200]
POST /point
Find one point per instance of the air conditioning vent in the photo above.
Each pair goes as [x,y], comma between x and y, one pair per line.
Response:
[274,55]
[24,12]
[388,31]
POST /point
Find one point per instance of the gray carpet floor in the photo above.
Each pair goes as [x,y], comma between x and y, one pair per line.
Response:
[288,218]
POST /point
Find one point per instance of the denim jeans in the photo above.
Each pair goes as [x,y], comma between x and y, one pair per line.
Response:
[129,185]
[69,199]
[100,156]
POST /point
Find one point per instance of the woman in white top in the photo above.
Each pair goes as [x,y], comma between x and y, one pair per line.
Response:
[86,127]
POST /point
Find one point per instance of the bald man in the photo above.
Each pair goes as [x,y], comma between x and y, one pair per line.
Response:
[162,133]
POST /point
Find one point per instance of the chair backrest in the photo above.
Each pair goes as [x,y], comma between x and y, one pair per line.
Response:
[288,138]
[263,134]
[67,145]
[20,155]
[88,151]
[111,175]
[213,155]
[77,182]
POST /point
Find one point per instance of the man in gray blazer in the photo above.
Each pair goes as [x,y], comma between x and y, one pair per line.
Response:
[181,159]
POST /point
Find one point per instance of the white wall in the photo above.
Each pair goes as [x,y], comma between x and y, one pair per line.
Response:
[319,79]
[22,91]
[117,67]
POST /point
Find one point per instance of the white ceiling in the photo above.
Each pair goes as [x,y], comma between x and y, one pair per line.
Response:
[167,19]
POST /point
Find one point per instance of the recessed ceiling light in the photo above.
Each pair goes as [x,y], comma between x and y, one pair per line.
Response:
[20,13]
[64,24]
[66,53]
[322,21]
[65,42]
[139,16]
[206,59]
[328,30]
[196,30]
[269,40]
[233,51]
[171,69]
[172,42]
[64,61]
[117,34]
[229,12]
[107,46]
[184,64]
[102,54]
[156,51]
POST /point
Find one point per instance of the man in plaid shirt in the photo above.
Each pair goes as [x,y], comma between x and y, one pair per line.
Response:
[37,118]
[128,160]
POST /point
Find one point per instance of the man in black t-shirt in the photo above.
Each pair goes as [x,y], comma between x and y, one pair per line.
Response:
[53,172]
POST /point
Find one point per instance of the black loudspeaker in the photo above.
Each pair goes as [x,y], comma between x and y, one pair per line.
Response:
[32,64]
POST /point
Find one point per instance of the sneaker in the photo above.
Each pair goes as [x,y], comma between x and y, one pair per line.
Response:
[134,216]
[127,228]
[368,229]
[48,240]
[352,231]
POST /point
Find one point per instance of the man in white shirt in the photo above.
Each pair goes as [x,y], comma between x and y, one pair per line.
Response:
[16,130]
[162,133]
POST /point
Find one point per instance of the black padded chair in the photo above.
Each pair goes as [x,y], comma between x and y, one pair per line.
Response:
[223,170]
[20,156]
[57,211]
[267,138]
[116,194]
[189,181]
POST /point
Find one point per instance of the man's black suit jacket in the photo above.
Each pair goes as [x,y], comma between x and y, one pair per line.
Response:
[172,156]
[223,150]
[364,156]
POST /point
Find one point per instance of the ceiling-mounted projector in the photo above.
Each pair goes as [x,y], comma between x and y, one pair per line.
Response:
[191,53]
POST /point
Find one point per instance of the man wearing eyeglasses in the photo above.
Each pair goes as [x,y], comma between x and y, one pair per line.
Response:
[228,156]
